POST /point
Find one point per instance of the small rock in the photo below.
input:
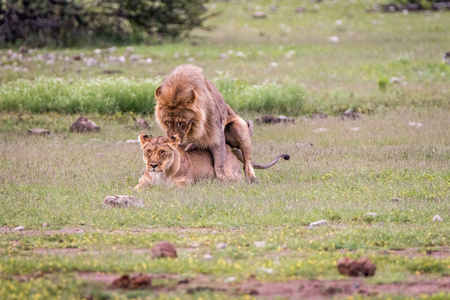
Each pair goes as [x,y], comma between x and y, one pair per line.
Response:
[222,245]
[415,124]
[195,245]
[319,116]
[299,9]
[284,119]
[260,244]
[98,51]
[207,256]
[45,224]
[141,123]
[230,279]
[266,270]
[333,39]
[273,64]
[139,281]
[371,214]
[19,228]
[394,80]
[223,55]
[350,114]
[354,129]
[446,58]
[360,267]
[318,130]
[122,201]
[39,131]
[397,199]
[304,144]
[84,125]
[259,15]
[215,232]
[164,250]
[132,142]
[437,218]
[318,223]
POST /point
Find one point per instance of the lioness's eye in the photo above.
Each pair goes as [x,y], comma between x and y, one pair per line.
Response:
[180,124]
[162,152]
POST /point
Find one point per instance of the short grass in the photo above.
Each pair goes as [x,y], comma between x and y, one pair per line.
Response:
[62,179]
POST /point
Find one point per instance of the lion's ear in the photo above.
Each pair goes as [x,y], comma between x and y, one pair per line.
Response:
[193,97]
[143,138]
[158,92]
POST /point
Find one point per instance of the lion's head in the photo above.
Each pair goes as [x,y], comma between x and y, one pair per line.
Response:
[176,113]
[158,152]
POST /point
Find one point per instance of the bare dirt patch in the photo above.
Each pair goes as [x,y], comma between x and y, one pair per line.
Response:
[60,251]
[75,230]
[294,289]
[442,252]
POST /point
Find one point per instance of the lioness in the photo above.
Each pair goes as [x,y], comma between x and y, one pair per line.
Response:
[167,163]
[190,106]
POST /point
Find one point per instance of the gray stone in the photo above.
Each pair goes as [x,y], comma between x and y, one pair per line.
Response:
[437,218]
[259,15]
[84,125]
[371,214]
[19,228]
[122,201]
[318,223]
[207,256]
[260,244]
[222,245]
[38,131]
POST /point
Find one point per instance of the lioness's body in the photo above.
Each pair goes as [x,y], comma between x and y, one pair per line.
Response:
[190,106]
[178,167]
[167,163]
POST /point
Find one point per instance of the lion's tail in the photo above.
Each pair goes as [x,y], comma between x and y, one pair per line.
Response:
[239,156]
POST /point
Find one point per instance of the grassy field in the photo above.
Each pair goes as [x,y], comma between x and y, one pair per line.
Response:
[338,174]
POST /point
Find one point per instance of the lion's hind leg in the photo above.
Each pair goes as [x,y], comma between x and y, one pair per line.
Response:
[237,135]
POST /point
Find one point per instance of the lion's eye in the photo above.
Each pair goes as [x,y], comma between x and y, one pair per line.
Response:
[180,124]
[162,152]
[149,152]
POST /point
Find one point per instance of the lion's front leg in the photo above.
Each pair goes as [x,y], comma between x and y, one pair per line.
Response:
[219,153]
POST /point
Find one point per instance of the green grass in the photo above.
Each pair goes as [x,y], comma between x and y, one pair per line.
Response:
[63,178]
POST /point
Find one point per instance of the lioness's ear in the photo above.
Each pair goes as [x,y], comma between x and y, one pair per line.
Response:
[194,97]
[143,138]
[173,144]
[158,92]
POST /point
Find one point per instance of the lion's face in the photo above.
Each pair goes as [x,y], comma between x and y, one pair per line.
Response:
[177,126]
[175,111]
[158,153]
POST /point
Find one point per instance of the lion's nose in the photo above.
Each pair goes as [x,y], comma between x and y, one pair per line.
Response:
[154,166]
[172,137]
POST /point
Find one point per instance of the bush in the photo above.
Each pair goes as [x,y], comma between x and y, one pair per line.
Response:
[71,22]
[119,94]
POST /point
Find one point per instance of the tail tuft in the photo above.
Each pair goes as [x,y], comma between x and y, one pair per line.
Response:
[285,156]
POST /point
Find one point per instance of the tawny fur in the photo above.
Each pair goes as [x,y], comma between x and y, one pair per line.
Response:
[190,106]
[167,163]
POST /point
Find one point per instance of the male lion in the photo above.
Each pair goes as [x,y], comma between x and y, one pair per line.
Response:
[167,163]
[190,106]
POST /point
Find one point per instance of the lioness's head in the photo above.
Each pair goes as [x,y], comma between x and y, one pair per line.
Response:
[158,152]
[175,110]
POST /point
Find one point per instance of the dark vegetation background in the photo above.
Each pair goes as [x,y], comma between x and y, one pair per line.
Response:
[70,23]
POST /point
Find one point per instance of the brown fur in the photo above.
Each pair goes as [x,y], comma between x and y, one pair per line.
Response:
[167,163]
[190,106]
